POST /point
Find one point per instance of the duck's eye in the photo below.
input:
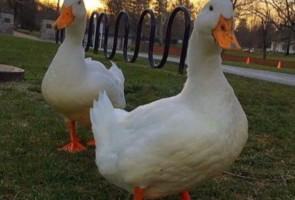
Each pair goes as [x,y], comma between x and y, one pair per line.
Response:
[79,2]
[211,8]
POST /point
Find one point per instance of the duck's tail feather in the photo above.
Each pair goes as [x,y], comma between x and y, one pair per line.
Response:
[105,124]
[107,133]
[101,115]
[117,72]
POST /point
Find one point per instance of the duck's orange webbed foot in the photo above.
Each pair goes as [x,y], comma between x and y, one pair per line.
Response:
[138,193]
[75,145]
[91,143]
[184,195]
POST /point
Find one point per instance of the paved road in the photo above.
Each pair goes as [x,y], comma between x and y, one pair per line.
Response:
[30,37]
[282,78]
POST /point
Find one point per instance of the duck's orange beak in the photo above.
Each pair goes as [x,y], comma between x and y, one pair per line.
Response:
[224,34]
[65,18]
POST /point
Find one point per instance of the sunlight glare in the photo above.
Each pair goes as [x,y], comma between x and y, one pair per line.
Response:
[89,4]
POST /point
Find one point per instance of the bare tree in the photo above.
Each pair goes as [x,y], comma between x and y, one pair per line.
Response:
[114,6]
[188,4]
[285,10]
[241,8]
[243,35]
[25,12]
[162,15]
[241,4]
[262,11]
[285,16]
[16,5]
[135,8]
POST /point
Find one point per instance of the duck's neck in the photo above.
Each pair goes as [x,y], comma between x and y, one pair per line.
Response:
[71,54]
[75,33]
[204,66]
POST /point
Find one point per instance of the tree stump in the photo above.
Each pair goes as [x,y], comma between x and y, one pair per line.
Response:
[10,73]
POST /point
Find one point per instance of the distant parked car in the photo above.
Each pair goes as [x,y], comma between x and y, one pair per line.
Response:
[249,50]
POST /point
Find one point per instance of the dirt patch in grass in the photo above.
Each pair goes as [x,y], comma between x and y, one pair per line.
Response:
[263,138]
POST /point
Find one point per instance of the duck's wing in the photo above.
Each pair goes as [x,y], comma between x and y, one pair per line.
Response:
[99,78]
[117,72]
[114,69]
[95,65]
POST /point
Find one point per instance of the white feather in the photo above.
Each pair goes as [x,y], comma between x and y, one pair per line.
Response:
[117,72]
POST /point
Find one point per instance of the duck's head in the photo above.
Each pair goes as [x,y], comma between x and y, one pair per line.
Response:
[72,10]
[214,25]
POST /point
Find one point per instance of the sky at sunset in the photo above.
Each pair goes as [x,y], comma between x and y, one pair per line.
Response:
[90,4]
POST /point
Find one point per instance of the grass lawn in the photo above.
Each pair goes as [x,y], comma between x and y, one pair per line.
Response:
[31,131]
[272,56]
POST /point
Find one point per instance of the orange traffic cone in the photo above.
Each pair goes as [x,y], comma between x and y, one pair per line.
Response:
[248,60]
[279,66]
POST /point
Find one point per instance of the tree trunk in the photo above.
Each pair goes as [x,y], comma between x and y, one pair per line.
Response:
[289,42]
[288,48]
[264,45]
[161,34]
[264,42]
[57,7]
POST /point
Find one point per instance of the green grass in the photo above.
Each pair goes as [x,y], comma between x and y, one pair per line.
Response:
[31,131]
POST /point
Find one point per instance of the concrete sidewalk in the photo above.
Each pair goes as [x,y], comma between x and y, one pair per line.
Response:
[275,77]
[30,37]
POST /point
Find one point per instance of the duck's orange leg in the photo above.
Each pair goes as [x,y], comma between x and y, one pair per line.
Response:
[91,143]
[138,193]
[74,145]
[184,195]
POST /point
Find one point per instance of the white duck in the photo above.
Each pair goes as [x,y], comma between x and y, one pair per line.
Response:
[173,144]
[72,82]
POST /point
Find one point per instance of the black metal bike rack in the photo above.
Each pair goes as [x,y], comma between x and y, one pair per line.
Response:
[125,15]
